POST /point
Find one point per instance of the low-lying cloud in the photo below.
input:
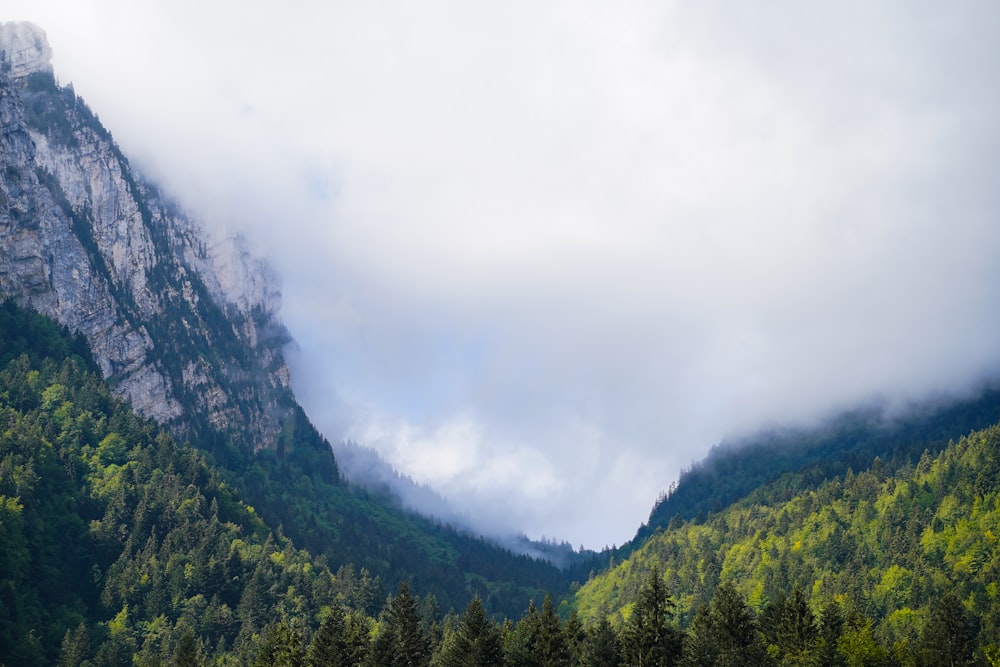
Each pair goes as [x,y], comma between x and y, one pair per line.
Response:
[543,255]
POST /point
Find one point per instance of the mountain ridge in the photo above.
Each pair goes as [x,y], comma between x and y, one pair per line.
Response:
[89,243]
[186,330]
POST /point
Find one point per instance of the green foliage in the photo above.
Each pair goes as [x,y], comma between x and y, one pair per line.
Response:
[115,540]
[889,544]
[118,543]
[268,452]
[603,647]
[789,626]
[329,647]
[725,634]
[476,642]
[23,332]
[949,637]
[785,459]
[402,641]
[650,636]
[118,546]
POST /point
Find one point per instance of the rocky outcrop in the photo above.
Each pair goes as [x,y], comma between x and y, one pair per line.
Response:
[184,329]
[24,49]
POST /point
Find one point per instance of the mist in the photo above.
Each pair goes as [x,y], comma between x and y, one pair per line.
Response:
[541,256]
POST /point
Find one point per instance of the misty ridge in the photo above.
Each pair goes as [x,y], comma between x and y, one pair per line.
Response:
[363,466]
[496,332]
[891,433]
[654,227]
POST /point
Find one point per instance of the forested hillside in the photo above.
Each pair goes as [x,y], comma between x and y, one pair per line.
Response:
[198,348]
[116,540]
[119,546]
[889,546]
[854,439]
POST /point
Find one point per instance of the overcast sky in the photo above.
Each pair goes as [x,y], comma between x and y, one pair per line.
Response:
[541,255]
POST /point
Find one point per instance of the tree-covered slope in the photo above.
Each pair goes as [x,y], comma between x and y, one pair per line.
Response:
[892,543]
[120,541]
[735,468]
[193,342]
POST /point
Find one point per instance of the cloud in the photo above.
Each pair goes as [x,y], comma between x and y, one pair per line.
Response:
[542,255]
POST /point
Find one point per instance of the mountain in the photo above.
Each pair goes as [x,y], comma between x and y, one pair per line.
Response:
[852,439]
[163,495]
[119,546]
[185,329]
[890,543]
[115,538]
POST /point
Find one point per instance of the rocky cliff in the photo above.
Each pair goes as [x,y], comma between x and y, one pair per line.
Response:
[186,330]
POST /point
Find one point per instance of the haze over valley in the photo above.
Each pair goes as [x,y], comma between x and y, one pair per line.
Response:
[541,257]
[334,309]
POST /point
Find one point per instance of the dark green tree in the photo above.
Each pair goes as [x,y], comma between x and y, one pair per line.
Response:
[75,647]
[188,652]
[949,636]
[116,651]
[789,626]
[476,641]
[328,647]
[519,640]
[357,630]
[402,642]
[831,626]
[575,637]
[602,648]
[701,648]
[550,644]
[725,633]
[281,646]
[650,637]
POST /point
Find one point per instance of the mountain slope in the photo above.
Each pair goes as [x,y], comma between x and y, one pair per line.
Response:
[892,542]
[186,331]
[109,526]
[85,241]
[853,439]
[116,542]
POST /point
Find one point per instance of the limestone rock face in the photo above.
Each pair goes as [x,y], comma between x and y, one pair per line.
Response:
[186,330]
[24,49]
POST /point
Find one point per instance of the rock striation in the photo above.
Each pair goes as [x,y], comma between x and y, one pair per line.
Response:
[24,49]
[184,329]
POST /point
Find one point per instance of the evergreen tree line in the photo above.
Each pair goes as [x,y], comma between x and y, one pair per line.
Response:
[120,547]
[893,543]
[724,633]
[287,470]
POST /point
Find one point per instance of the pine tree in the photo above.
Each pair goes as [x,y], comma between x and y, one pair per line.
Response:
[520,640]
[949,636]
[650,637]
[789,625]
[187,653]
[725,633]
[740,642]
[403,642]
[575,637]
[280,647]
[602,648]
[701,648]
[830,629]
[328,647]
[476,641]
[75,647]
[357,630]
[550,644]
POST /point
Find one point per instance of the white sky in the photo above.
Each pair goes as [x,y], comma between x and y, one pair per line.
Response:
[541,255]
